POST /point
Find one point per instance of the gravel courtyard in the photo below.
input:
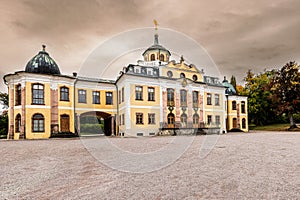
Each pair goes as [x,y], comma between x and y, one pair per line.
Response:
[260,165]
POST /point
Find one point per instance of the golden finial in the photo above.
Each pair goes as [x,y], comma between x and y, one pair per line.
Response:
[155,24]
[44,47]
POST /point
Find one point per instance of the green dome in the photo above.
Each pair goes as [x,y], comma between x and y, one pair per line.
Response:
[156,46]
[229,88]
[42,63]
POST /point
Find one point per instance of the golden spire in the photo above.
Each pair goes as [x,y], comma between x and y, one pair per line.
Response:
[155,24]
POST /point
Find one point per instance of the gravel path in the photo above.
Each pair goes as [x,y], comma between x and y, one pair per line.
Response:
[262,165]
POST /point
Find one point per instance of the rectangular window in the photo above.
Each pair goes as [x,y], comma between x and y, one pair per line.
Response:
[96,97]
[170,96]
[123,94]
[183,101]
[64,94]
[18,94]
[81,96]
[195,99]
[37,94]
[120,97]
[234,105]
[217,99]
[109,98]
[208,99]
[217,119]
[151,118]
[151,94]
[209,119]
[139,118]
[138,93]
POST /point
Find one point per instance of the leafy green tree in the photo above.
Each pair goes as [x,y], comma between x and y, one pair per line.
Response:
[286,89]
[4,99]
[3,124]
[4,115]
[260,104]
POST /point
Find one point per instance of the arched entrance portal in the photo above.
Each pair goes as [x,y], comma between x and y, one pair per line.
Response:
[96,122]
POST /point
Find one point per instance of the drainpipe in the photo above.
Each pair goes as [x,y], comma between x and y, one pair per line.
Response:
[227,109]
[74,102]
[118,117]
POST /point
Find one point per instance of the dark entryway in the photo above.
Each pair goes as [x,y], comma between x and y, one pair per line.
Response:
[96,122]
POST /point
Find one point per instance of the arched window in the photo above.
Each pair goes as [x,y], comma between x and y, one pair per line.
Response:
[234,105]
[195,118]
[171,120]
[170,95]
[152,57]
[18,94]
[182,75]
[18,123]
[244,123]
[195,99]
[64,93]
[162,57]
[243,108]
[183,98]
[208,99]
[37,93]
[183,119]
[38,123]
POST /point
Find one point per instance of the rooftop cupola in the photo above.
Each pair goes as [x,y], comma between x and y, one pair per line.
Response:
[42,63]
[156,51]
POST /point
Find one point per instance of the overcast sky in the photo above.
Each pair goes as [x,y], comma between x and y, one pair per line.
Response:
[238,34]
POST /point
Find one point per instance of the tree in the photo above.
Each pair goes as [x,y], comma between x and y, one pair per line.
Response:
[4,99]
[3,124]
[286,88]
[257,89]
[233,82]
[4,115]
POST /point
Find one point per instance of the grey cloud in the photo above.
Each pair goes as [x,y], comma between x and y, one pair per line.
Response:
[237,34]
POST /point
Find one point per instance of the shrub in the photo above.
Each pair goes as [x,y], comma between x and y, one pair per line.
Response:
[92,128]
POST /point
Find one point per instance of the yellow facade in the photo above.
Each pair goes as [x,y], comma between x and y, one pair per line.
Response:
[145,101]
[236,116]
[89,101]
[154,72]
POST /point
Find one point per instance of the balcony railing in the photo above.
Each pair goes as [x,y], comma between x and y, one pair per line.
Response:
[179,124]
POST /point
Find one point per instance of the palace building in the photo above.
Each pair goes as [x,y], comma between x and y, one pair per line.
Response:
[153,96]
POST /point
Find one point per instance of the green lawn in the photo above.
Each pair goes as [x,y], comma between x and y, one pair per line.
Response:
[274,127]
